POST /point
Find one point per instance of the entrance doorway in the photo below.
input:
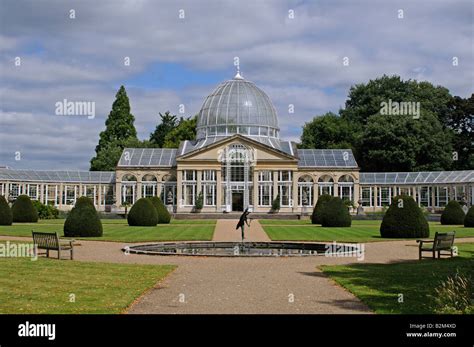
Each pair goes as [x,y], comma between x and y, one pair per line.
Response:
[237,201]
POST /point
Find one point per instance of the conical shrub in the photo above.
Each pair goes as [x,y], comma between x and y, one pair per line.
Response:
[142,213]
[404,219]
[164,216]
[83,220]
[452,214]
[469,218]
[23,210]
[322,200]
[6,217]
[335,214]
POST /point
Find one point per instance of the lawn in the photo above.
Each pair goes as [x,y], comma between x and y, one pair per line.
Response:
[46,285]
[360,231]
[379,285]
[118,230]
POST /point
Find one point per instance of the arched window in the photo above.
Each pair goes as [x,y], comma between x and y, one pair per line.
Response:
[129,185]
[326,185]
[305,191]
[346,188]
[149,186]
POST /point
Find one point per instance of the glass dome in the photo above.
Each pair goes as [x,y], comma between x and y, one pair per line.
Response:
[237,106]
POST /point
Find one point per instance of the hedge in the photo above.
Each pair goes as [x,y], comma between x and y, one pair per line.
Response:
[469,218]
[322,200]
[83,220]
[452,214]
[335,214]
[23,210]
[164,216]
[404,219]
[6,216]
[142,213]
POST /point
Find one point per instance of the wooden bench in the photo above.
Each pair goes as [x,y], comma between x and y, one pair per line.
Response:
[441,242]
[51,241]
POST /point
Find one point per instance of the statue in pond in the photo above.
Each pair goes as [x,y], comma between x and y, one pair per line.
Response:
[242,221]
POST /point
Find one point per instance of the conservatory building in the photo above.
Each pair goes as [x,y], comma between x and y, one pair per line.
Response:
[237,161]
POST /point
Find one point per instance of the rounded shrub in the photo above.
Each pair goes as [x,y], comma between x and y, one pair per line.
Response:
[142,213]
[404,219]
[335,214]
[83,220]
[164,216]
[23,210]
[452,214]
[469,218]
[6,217]
[45,211]
[322,200]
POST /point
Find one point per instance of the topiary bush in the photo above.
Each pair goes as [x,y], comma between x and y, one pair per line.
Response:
[276,204]
[6,217]
[142,213]
[335,214]
[83,220]
[164,216]
[322,200]
[452,214]
[404,219]
[23,210]
[469,218]
[45,211]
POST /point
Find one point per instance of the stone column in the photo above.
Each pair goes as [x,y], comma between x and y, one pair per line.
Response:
[255,190]
[375,192]
[335,187]
[198,183]
[179,189]
[218,190]
[433,197]
[356,193]
[138,193]
[275,185]
[118,193]
[315,193]
[295,191]
[61,191]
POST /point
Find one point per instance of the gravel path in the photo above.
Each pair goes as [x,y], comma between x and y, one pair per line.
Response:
[246,285]
[225,231]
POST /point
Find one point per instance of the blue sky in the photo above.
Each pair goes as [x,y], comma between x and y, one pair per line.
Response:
[177,61]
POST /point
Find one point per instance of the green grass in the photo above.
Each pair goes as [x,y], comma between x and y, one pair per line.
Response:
[379,285]
[360,231]
[118,230]
[45,285]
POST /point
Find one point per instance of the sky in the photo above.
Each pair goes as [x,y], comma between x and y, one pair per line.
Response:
[179,51]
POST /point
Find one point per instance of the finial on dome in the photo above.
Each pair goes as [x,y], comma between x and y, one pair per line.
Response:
[238,76]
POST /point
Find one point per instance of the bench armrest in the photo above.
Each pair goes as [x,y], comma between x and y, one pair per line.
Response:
[422,241]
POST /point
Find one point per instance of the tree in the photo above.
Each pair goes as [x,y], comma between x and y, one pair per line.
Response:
[168,123]
[119,129]
[365,100]
[6,217]
[83,220]
[185,130]
[401,143]
[461,121]
[328,131]
[404,219]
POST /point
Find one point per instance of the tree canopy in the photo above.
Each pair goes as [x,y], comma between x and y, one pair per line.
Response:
[168,123]
[119,128]
[436,127]
[185,130]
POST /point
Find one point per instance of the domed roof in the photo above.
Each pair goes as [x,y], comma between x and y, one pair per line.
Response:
[237,106]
